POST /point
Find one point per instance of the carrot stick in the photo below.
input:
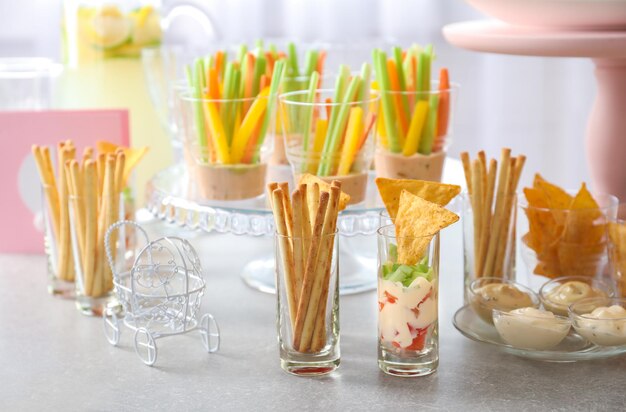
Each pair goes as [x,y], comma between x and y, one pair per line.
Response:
[397,100]
[371,119]
[444,103]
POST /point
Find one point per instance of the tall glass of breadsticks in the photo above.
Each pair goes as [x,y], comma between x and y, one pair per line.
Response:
[489,215]
[307,276]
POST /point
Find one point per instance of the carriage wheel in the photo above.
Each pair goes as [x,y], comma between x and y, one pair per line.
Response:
[145,346]
[111,326]
[210,333]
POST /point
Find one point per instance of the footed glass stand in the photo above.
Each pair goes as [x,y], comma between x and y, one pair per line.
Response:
[172,197]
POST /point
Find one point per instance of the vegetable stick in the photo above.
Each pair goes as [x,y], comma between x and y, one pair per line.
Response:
[380,61]
[397,52]
[195,81]
[321,59]
[304,324]
[310,62]
[298,240]
[308,113]
[325,266]
[318,144]
[259,70]
[477,210]
[428,135]
[403,122]
[252,120]
[292,60]
[218,136]
[333,139]
[91,217]
[279,69]
[444,103]
[350,146]
[342,78]
[371,119]
[418,120]
[285,252]
[213,86]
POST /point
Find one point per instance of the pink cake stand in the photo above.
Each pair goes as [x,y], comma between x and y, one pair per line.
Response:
[606,130]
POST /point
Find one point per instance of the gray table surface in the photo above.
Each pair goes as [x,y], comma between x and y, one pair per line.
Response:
[52,357]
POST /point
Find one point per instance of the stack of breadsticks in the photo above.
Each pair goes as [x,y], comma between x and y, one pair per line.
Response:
[83,200]
[493,205]
[305,225]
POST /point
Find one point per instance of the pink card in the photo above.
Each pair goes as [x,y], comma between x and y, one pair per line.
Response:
[20,184]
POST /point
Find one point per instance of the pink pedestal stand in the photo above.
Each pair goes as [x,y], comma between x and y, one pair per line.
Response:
[606,131]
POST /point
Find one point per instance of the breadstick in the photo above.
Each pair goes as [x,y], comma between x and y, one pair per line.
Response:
[100,163]
[508,213]
[270,189]
[285,253]
[467,168]
[297,240]
[505,164]
[309,298]
[76,185]
[306,222]
[111,215]
[326,257]
[46,175]
[477,211]
[313,198]
[288,209]
[91,221]
[65,260]
[487,215]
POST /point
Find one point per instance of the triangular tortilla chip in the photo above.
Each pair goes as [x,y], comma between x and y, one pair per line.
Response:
[307,179]
[417,221]
[133,155]
[585,222]
[390,190]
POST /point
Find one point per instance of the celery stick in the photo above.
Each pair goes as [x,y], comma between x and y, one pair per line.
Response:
[310,62]
[277,76]
[397,55]
[427,53]
[273,50]
[243,49]
[292,59]
[259,70]
[344,73]
[364,93]
[227,107]
[259,43]
[384,85]
[308,115]
[339,126]
[198,112]
[200,75]
[428,136]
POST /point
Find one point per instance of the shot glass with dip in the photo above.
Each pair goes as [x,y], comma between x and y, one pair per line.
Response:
[331,134]
[408,331]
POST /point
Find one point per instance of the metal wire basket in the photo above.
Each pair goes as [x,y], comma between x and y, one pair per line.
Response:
[161,294]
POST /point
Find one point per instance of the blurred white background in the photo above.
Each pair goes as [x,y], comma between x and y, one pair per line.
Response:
[536,106]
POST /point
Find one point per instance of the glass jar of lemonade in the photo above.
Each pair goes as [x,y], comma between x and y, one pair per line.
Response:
[102,42]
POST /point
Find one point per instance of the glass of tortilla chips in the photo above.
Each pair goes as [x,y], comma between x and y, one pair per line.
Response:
[617,252]
[567,231]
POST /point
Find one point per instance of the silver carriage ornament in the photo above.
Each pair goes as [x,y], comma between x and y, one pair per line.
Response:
[160,295]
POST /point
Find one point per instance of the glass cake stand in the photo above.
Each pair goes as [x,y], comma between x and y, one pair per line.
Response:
[172,197]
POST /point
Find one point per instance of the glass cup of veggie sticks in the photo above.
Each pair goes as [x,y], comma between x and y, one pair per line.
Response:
[307,277]
[408,331]
[415,119]
[329,132]
[227,118]
[489,212]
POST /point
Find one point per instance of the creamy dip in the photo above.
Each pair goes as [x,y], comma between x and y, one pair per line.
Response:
[530,328]
[406,313]
[418,166]
[558,299]
[605,326]
[499,296]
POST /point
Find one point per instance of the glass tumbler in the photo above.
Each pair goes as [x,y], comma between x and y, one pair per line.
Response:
[617,254]
[408,330]
[27,83]
[308,305]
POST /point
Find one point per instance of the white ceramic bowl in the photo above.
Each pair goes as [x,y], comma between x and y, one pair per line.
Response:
[563,14]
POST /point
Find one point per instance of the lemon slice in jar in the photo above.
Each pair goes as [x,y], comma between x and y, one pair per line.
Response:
[109,28]
[147,26]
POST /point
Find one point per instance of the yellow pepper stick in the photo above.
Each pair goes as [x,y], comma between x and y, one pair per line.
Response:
[415,129]
[218,136]
[353,135]
[248,125]
[380,124]
[321,126]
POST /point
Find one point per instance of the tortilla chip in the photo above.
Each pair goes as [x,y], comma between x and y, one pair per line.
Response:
[617,254]
[417,222]
[585,222]
[133,155]
[556,197]
[307,178]
[390,190]
[582,260]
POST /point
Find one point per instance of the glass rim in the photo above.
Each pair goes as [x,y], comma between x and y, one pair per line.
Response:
[186,95]
[380,232]
[612,300]
[472,286]
[28,67]
[323,235]
[523,203]
[284,98]
[453,89]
